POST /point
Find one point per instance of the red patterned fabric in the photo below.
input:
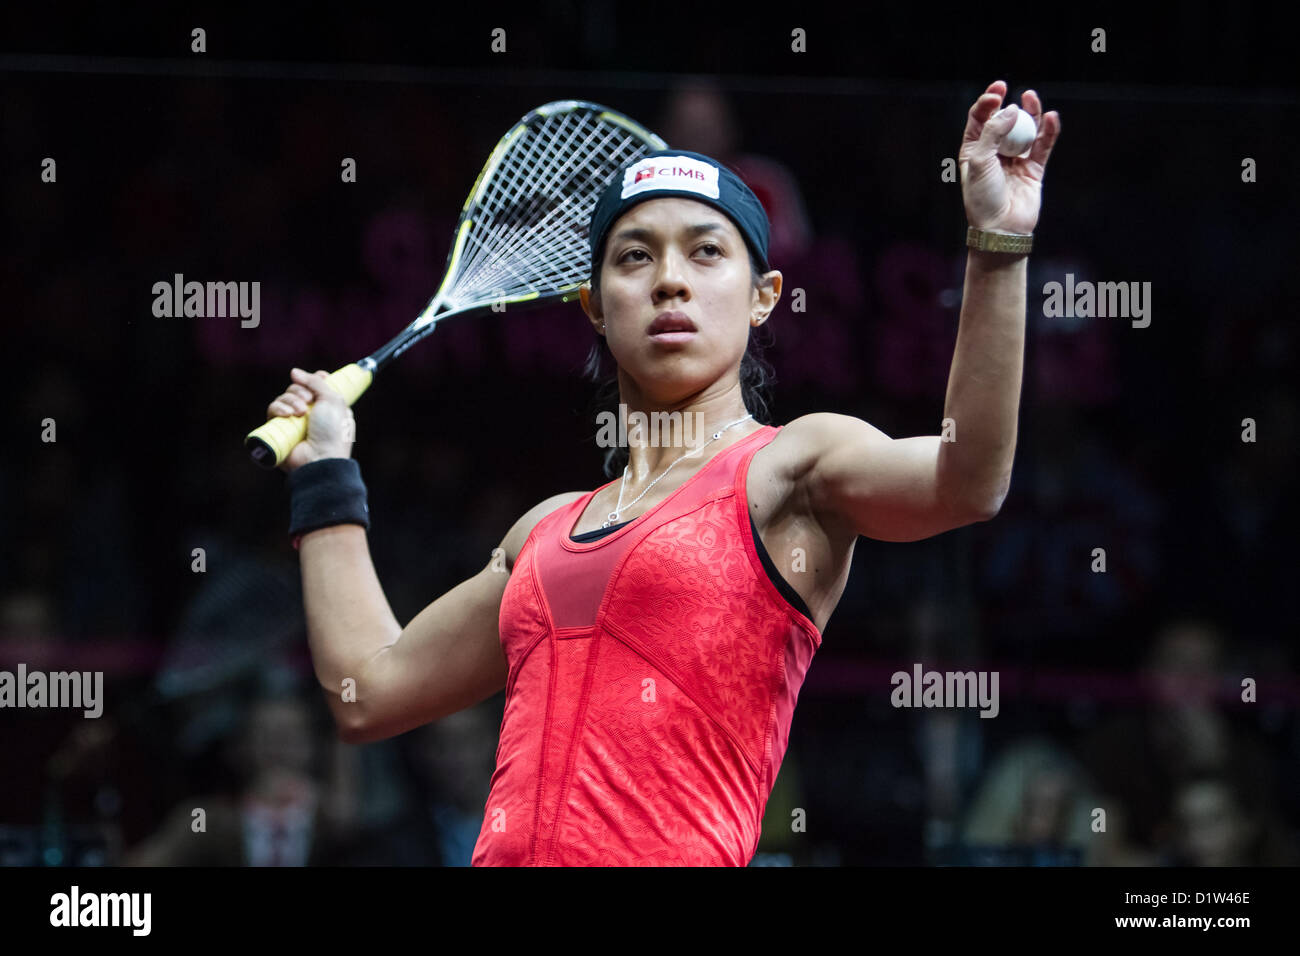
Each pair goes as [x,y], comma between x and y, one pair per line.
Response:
[653,675]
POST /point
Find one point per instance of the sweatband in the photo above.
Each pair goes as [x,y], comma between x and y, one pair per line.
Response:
[326,492]
[679,172]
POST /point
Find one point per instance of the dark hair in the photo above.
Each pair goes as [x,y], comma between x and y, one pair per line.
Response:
[756,374]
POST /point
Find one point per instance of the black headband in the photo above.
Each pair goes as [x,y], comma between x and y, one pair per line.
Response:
[679,172]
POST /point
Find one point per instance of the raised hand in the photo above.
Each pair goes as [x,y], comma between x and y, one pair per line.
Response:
[1003,193]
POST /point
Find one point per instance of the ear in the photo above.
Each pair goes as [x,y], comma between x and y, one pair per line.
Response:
[591,306]
[765,298]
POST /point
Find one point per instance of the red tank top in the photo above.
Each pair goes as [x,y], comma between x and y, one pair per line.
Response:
[653,675]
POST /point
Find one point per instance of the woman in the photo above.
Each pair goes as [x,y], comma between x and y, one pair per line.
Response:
[652,635]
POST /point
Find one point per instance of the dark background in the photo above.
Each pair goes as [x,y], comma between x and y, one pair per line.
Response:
[1119,690]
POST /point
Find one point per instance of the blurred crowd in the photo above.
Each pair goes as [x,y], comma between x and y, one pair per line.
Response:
[1123,739]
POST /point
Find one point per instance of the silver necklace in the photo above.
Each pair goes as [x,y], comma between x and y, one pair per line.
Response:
[613,515]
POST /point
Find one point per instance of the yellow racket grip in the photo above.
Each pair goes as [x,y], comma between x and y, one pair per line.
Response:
[270,444]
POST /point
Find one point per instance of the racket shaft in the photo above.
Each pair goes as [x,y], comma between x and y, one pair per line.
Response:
[513,211]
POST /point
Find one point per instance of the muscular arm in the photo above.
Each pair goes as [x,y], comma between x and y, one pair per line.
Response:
[904,489]
[859,480]
[446,659]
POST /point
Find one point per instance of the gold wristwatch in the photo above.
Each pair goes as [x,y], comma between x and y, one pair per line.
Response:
[1014,242]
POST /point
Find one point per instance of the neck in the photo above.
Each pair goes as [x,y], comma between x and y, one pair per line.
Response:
[660,433]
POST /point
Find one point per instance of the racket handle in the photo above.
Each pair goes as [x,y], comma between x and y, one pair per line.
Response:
[269,445]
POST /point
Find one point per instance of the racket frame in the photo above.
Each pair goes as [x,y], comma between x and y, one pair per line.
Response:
[269,444]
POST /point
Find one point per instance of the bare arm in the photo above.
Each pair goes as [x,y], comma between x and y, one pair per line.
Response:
[858,478]
[905,489]
[446,659]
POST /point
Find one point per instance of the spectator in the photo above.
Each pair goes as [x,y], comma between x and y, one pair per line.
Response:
[283,815]
[1146,757]
[1035,805]
[1217,822]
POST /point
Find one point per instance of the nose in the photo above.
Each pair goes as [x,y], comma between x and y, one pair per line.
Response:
[670,279]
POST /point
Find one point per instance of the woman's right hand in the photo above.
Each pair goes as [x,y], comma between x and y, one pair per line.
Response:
[331,427]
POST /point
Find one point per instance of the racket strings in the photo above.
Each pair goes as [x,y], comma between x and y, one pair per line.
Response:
[547,164]
[529,231]
[544,157]
[510,226]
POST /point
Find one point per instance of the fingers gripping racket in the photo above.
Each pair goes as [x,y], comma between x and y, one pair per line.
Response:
[521,239]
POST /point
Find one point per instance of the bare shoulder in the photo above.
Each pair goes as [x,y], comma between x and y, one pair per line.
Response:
[785,484]
[521,529]
[802,443]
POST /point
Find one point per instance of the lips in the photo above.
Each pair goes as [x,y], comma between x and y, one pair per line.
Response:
[668,322]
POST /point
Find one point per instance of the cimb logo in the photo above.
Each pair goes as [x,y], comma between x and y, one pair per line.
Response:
[946,689]
[656,430]
[216,300]
[671,172]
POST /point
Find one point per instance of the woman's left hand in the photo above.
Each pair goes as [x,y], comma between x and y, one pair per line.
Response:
[1003,193]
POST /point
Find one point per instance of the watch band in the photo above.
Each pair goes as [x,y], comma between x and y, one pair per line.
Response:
[1013,242]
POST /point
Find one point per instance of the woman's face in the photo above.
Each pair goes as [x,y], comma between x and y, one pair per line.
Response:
[676,255]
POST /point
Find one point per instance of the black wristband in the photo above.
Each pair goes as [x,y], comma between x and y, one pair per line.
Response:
[327,492]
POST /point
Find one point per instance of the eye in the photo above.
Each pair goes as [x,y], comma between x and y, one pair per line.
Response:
[630,252]
[713,246]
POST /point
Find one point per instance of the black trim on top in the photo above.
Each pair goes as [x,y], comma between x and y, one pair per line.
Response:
[598,533]
[782,585]
[787,590]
